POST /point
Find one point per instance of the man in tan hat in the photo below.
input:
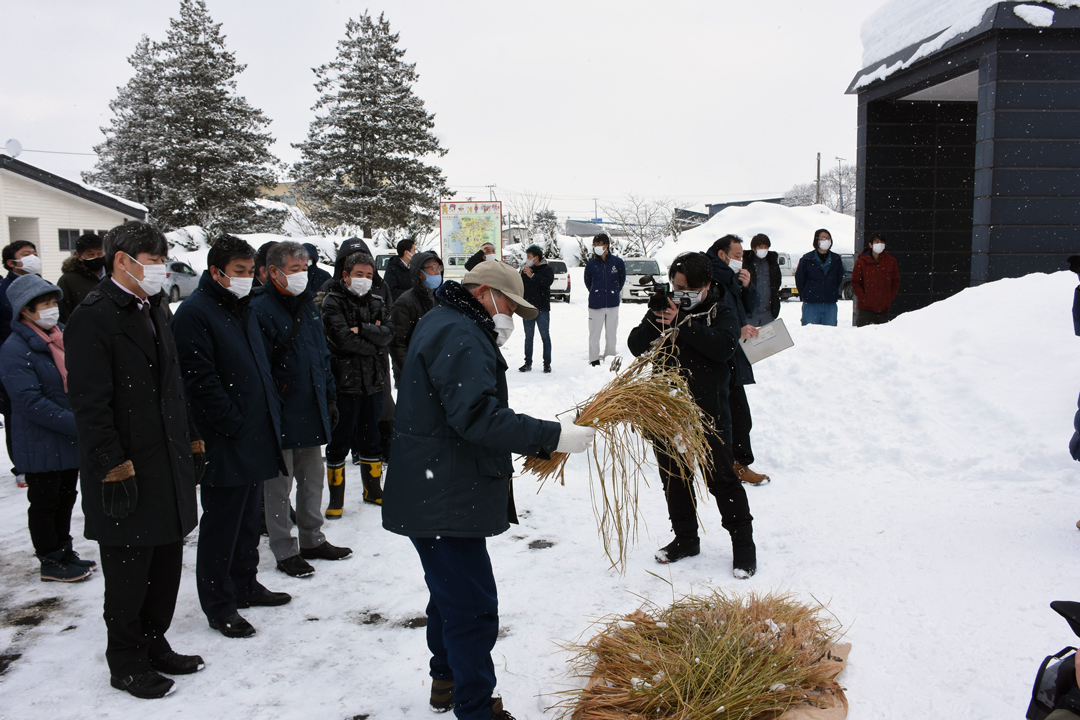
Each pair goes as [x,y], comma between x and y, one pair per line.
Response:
[448,484]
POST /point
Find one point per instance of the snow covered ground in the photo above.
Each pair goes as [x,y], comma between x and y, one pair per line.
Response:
[921,486]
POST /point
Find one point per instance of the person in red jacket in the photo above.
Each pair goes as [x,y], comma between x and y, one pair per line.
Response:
[875,280]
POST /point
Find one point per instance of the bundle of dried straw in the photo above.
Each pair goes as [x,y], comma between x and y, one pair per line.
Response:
[648,402]
[714,656]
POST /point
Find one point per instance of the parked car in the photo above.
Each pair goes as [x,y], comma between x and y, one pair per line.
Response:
[381,261]
[845,286]
[560,288]
[636,269]
[788,291]
[180,280]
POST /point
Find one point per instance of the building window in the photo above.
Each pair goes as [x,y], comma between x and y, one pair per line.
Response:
[68,238]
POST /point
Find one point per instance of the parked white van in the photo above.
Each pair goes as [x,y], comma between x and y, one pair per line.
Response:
[637,268]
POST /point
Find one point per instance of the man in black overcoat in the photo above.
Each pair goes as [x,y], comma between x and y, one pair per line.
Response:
[139,456]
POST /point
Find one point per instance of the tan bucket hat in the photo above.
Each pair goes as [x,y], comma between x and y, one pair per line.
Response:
[506,280]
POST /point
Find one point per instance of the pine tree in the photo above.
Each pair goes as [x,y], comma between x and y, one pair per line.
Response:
[206,145]
[362,162]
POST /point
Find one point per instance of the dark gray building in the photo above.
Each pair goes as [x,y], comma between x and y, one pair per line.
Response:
[969,158]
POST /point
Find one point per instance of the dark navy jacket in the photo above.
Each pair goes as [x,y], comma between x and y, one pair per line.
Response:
[229,389]
[538,287]
[44,438]
[605,280]
[5,306]
[454,433]
[301,368]
[817,281]
[742,301]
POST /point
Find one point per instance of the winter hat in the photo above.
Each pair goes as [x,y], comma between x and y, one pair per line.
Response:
[506,280]
[535,250]
[27,287]
[347,248]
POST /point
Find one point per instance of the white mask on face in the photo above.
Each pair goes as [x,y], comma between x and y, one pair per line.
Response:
[879,248]
[762,253]
[736,265]
[296,283]
[238,286]
[530,262]
[48,318]
[31,264]
[825,244]
[599,249]
[153,277]
[491,257]
[693,295]
[359,286]
[504,324]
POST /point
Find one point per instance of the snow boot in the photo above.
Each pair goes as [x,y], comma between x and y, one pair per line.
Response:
[497,711]
[56,568]
[371,475]
[681,547]
[74,559]
[335,476]
[743,552]
[749,476]
[442,695]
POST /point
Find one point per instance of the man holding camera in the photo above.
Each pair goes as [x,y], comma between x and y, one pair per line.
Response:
[706,332]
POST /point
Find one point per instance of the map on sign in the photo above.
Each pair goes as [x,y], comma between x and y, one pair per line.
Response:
[465,226]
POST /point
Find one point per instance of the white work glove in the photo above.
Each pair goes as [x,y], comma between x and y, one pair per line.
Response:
[574,438]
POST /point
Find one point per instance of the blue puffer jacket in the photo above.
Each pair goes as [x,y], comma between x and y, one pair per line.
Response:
[604,279]
[817,281]
[44,438]
[300,367]
[450,467]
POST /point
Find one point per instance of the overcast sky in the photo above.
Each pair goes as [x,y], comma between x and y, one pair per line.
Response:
[704,101]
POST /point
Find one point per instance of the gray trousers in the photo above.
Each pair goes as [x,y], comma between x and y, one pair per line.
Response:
[306,465]
[606,319]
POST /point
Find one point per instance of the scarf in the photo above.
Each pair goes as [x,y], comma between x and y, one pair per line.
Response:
[457,297]
[54,340]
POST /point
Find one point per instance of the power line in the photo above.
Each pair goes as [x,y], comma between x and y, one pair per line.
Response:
[58,152]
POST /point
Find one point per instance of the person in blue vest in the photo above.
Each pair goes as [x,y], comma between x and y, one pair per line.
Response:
[234,404]
[605,275]
[43,426]
[292,332]
[818,277]
[448,487]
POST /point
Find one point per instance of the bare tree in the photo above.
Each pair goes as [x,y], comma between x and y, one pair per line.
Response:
[524,210]
[836,185]
[646,222]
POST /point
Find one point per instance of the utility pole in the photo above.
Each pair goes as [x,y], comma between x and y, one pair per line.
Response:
[491,192]
[818,202]
[595,212]
[840,180]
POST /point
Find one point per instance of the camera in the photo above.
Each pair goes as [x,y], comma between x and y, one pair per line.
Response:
[661,293]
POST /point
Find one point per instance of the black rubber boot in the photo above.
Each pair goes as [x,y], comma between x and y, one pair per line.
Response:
[743,551]
[371,475]
[681,547]
[335,476]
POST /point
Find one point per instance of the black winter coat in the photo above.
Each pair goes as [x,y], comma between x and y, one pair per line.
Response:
[125,390]
[397,277]
[706,344]
[776,279]
[356,358]
[229,388]
[742,301]
[412,305]
[476,259]
[299,364]
[77,281]
[450,460]
[538,287]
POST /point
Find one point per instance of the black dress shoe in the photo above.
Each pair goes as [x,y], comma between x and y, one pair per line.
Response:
[266,598]
[295,566]
[173,663]
[233,626]
[326,551]
[547,367]
[148,685]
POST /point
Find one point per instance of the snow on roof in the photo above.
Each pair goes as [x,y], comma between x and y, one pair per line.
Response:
[902,24]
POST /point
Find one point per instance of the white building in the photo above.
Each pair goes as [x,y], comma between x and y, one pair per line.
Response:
[52,212]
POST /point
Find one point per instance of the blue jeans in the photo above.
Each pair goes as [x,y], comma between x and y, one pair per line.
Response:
[819,314]
[543,319]
[463,619]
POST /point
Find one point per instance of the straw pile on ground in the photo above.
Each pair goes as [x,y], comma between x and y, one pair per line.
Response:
[714,656]
[649,401]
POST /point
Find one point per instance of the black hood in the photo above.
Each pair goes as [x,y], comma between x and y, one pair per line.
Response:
[416,265]
[350,246]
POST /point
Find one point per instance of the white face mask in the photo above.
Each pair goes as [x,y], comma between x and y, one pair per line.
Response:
[530,262]
[238,286]
[359,286]
[504,324]
[736,265]
[599,249]
[153,277]
[825,244]
[491,257]
[296,283]
[762,253]
[48,318]
[694,296]
[31,264]
[878,248]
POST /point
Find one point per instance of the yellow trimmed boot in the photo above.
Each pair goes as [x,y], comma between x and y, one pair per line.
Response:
[371,475]
[749,476]
[335,476]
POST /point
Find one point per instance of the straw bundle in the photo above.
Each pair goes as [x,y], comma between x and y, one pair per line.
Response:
[647,402]
[711,657]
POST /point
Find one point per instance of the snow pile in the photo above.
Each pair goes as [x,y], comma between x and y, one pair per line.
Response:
[791,229]
[903,23]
